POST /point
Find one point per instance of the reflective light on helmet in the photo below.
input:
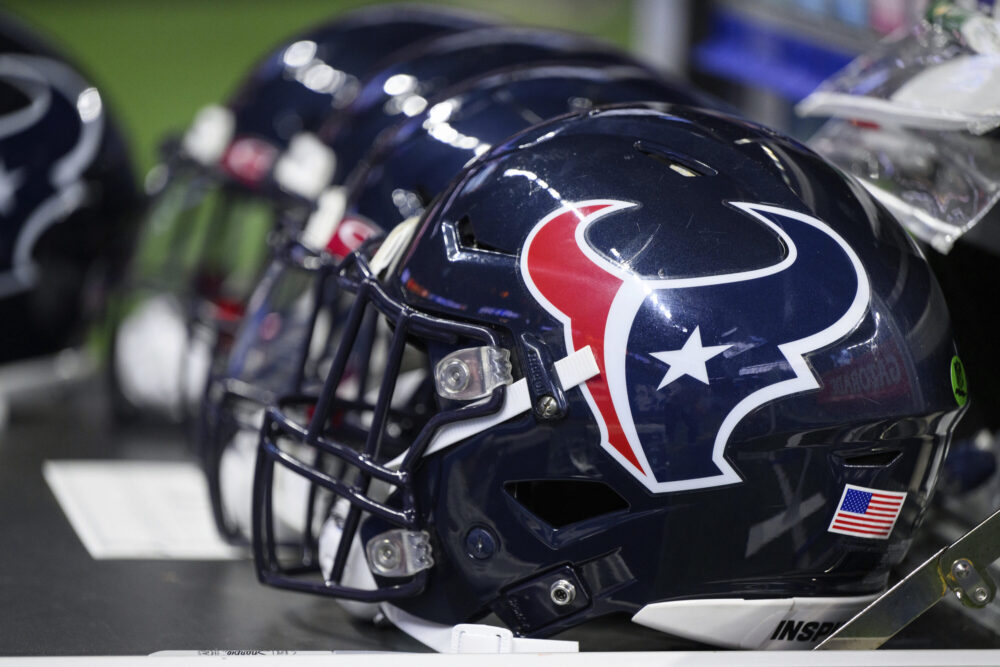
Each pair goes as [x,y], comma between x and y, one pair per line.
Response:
[306,167]
[321,78]
[89,105]
[299,53]
[413,105]
[209,135]
[399,84]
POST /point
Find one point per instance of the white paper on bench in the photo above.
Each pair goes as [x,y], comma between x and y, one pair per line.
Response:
[138,509]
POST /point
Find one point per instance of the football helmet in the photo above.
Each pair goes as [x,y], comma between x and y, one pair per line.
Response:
[67,198]
[410,165]
[672,365]
[219,191]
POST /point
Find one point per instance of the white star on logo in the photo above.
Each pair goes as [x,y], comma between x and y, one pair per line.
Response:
[689,360]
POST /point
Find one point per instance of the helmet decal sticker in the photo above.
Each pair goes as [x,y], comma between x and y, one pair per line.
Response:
[867,513]
[249,159]
[959,385]
[669,396]
[351,232]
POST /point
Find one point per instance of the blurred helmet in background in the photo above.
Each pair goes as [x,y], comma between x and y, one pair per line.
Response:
[67,198]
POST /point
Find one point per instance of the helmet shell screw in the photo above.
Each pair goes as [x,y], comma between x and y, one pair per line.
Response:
[547,407]
[480,543]
[387,555]
[455,375]
[562,593]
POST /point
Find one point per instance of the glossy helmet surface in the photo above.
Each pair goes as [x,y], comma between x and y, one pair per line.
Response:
[410,165]
[420,73]
[718,348]
[220,191]
[67,197]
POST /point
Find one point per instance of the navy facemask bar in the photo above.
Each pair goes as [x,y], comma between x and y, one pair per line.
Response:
[232,399]
[234,402]
[354,275]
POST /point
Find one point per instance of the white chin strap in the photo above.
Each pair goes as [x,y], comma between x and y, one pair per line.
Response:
[158,365]
[236,471]
[471,637]
[462,638]
[356,572]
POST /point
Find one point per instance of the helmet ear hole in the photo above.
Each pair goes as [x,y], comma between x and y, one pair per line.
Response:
[467,237]
[871,459]
[562,502]
[684,165]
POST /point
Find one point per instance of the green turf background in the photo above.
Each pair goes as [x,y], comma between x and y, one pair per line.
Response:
[158,62]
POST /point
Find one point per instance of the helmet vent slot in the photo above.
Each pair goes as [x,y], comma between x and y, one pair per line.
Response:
[879,459]
[468,239]
[681,164]
[562,502]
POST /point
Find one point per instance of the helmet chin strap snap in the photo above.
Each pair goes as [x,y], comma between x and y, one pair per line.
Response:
[471,637]
[472,373]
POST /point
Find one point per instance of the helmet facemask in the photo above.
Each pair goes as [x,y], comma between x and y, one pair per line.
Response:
[280,353]
[364,441]
[204,243]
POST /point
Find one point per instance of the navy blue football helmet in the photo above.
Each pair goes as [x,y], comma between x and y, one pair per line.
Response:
[222,190]
[411,164]
[647,360]
[67,198]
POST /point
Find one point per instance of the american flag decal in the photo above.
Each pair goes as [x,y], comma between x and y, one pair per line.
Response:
[869,513]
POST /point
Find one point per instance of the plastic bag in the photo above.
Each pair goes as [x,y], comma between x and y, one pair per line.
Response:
[940,74]
[938,184]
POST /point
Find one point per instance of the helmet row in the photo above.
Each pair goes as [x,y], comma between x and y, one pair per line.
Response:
[471,319]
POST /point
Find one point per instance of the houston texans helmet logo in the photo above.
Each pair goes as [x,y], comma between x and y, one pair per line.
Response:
[46,145]
[680,365]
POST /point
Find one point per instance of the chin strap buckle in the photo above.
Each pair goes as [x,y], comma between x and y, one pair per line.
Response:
[471,637]
[474,638]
